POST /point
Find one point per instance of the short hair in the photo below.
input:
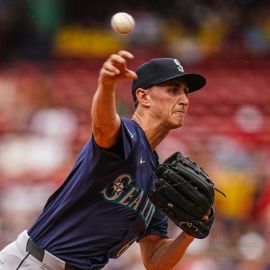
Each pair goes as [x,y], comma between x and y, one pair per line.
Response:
[135,104]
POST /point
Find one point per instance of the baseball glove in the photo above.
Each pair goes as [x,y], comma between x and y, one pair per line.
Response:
[185,193]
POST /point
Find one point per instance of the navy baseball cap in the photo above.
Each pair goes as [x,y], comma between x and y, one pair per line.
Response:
[160,70]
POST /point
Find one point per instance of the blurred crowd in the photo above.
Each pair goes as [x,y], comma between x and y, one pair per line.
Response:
[192,29]
[51,52]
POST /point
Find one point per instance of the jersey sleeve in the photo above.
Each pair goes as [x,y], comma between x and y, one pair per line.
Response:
[96,166]
[125,144]
[158,226]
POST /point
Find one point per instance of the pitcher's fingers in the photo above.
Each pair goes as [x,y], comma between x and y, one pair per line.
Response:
[131,74]
[126,54]
[112,68]
[108,72]
[117,59]
[207,215]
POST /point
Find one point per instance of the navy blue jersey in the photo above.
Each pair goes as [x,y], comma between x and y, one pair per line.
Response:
[103,206]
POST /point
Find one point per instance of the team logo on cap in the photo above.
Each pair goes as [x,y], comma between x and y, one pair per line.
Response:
[179,66]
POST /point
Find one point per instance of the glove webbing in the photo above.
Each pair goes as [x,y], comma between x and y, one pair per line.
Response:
[192,180]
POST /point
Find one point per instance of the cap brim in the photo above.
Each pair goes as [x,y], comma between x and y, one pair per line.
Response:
[195,81]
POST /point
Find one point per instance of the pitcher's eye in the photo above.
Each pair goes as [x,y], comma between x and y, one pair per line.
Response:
[174,91]
[177,91]
[186,90]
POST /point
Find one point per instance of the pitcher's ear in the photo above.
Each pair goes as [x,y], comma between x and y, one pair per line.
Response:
[142,96]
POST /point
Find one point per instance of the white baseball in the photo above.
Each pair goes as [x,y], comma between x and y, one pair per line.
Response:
[122,23]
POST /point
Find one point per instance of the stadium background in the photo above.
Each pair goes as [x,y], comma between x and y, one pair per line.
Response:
[50,55]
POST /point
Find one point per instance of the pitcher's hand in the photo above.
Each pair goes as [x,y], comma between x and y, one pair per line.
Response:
[115,68]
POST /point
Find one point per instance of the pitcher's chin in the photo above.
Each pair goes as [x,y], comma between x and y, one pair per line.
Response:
[177,124]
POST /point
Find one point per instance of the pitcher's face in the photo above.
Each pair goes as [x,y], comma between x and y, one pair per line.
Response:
[169,102]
